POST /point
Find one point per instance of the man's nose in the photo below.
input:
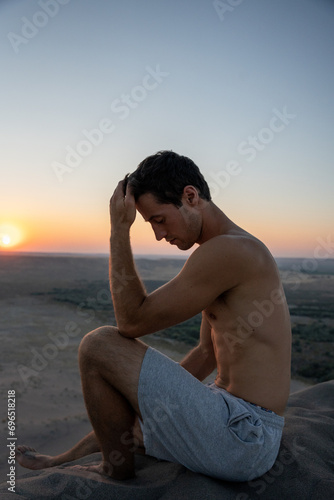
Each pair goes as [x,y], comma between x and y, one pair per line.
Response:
[160,234]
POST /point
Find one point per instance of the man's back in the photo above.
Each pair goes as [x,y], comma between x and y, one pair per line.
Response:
[250,326]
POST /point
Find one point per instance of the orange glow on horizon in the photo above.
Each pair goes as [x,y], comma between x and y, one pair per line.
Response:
[90,234]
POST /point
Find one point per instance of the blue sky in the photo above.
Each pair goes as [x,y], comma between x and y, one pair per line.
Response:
[244,89]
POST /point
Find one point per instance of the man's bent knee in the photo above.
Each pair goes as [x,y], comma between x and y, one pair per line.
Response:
[95,341]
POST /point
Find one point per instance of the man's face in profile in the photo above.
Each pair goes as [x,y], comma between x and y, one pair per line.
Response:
[180,226]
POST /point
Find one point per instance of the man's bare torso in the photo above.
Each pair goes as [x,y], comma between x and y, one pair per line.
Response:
[251,334]
[236,275]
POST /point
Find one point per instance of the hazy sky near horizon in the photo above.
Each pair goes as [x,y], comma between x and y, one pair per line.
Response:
[90,88]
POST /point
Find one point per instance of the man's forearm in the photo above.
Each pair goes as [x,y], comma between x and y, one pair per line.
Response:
[198,363]
[127,289]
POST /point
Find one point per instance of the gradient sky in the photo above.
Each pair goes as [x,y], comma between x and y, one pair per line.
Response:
[244,89]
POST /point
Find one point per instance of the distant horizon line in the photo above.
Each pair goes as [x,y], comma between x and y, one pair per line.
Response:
[136,256]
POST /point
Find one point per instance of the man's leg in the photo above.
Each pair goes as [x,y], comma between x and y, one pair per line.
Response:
[123,358]
[110,367]
[31,459]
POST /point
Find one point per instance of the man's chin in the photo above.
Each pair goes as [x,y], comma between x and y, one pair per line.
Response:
[184,246]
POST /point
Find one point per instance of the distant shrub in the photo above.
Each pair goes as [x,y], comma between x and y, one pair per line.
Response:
[320,372]
[187,332]
[316,331]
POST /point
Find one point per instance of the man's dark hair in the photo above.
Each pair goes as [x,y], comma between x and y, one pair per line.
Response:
[165,175]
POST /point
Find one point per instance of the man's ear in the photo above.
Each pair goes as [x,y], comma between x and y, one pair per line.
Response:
[190,195]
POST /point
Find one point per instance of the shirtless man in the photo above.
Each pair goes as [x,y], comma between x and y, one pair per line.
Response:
[137,399]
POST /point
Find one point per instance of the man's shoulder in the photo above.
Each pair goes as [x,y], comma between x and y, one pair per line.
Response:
[235,244]
[238,252]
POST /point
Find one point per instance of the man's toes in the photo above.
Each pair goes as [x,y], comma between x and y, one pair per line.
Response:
[25,451]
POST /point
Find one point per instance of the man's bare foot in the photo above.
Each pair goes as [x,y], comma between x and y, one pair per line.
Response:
[31,459]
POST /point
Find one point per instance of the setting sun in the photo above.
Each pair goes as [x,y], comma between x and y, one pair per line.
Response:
[5,239]
[10,236]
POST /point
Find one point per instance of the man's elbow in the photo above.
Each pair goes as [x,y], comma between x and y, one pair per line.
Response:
[127,331]
[130,331]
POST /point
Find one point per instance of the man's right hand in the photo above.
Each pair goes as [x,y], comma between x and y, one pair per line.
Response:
[122,208]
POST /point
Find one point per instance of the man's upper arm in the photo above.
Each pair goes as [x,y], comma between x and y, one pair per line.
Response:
[212,269]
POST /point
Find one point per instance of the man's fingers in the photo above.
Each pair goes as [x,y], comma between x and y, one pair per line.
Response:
[118,193]
[122,196]
[128,191]
[120,188]
[122,205]
[125,183]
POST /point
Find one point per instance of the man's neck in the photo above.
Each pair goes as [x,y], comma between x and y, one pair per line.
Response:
[215,223]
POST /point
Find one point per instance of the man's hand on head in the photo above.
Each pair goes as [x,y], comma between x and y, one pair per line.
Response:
[122,208]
